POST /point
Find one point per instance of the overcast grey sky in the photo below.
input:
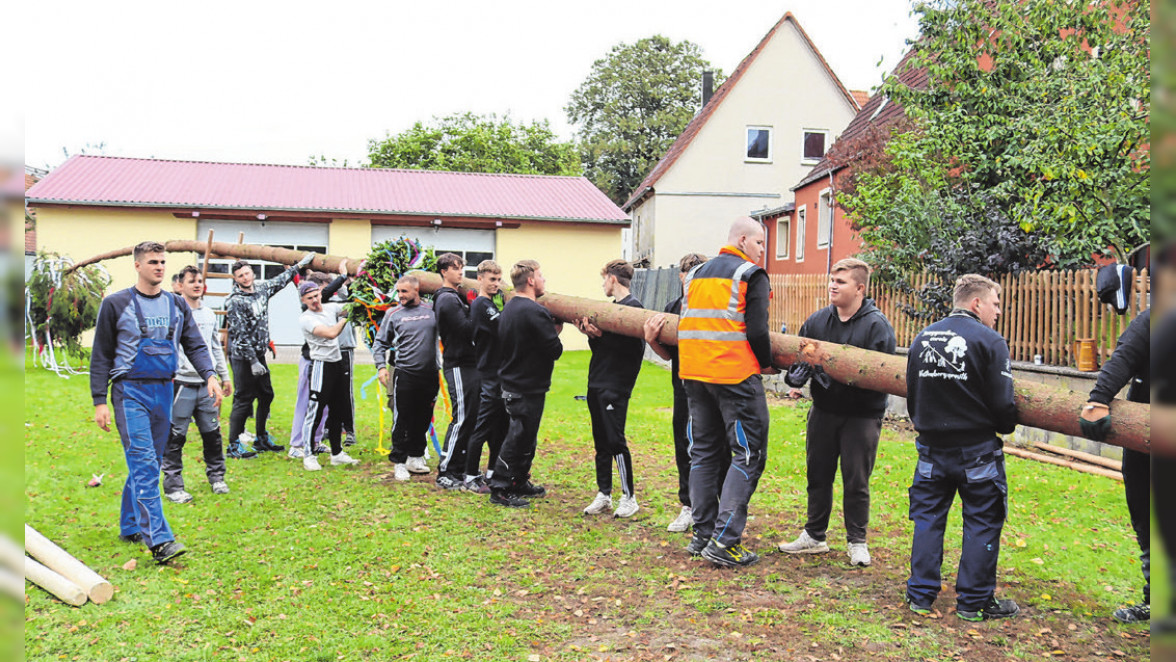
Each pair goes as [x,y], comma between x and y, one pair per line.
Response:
[275,83]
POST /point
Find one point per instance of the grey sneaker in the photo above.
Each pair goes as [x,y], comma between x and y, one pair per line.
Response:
[1140,613]
[179,496]
[627,508]
[349,440]
[600,505]
[697,544]
[400,473]
[342,458]
[994,609]
[917,607]
[220,487]
[859,554]
[804,544]
[734,556]
[683,521]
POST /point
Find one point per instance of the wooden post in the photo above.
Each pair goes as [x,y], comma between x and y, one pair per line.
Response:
[60,561]
[62,588]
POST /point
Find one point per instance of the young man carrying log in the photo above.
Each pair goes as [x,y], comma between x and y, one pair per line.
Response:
[193,401]
[247,320]
[137,342]
[844,423]
[459,363]
[330,375]
[612,373]
[960,398]
[529,337]
[492,421]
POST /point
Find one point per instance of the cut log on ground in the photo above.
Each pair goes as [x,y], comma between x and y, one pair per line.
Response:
[1038,405]
[60,587]
[1089,458]
[1057,461]
[61,562]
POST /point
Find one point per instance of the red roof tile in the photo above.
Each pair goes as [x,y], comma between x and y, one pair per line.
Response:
[861,97]
[111,181]
[687,136]
[877,113]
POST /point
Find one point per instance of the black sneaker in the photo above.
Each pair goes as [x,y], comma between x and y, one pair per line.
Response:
[476,485]
[917,607]
[1140,613]
[994,609]
[449,482]
[697,544]
[319,449]
[530,490]
[264,443]
[729,557]
[236,452]
[167,551]
[507,499]
[134,538]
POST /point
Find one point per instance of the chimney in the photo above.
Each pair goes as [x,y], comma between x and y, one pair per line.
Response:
[708,86]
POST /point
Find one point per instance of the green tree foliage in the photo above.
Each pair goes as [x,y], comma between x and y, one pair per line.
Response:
[1035,116]
[632,106]
[63,307]
[467,142]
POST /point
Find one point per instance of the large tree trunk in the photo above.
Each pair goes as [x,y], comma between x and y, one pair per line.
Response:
[1038,405]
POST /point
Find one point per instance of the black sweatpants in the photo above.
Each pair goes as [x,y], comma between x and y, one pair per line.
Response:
[522,436]
[411,401]
[1137,489]
[349,413]
[490,429]
[329,381]
[248,387]
[854,442]
[682,443]
[1164,488]
[608,410]
[462,384]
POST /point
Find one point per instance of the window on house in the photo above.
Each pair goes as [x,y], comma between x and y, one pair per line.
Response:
[783,237]
[825,219]
[472,260]
[800,223]
[759,143]
[814,144]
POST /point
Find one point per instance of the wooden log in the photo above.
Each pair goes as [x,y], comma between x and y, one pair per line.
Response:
[61,562]
[1038,405]
[1089,458]
[57,585]
[1076,466]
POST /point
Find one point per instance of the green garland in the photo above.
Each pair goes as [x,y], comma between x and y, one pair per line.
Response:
[374,289]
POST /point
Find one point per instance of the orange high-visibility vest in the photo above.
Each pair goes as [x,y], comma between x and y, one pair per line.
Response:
[712,332]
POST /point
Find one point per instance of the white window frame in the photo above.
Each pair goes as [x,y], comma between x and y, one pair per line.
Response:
[824,218]
[783,237]
[808,161]
[756,127]
[801,222]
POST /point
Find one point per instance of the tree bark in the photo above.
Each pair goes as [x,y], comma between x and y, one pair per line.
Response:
[1038,405]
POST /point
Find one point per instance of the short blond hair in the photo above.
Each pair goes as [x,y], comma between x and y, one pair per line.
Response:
[521,272]
[970,286]
[488,267]
[858,270]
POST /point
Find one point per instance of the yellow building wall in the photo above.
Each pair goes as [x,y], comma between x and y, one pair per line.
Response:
[571,257]
[350,236]
[80,233]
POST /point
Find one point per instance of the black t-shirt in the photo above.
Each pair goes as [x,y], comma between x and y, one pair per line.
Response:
[616,359]
[529,345]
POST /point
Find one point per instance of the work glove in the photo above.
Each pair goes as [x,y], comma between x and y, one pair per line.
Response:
[1096,429]
[800,373]
[306,259]
[257,369]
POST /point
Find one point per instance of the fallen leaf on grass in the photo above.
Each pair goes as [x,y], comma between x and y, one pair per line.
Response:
[130,565]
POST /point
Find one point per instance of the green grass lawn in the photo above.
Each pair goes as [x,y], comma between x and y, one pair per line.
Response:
[344,564]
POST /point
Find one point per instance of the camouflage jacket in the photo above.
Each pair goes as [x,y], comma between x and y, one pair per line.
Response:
[247,316]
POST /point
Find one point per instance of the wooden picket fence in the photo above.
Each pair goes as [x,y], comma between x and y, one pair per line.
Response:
[1043,313]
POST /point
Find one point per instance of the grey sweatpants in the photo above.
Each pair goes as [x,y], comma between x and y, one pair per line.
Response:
[853,442]
[725,420]
[193,402]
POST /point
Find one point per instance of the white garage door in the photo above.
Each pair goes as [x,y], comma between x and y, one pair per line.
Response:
[284,308]
[473,245]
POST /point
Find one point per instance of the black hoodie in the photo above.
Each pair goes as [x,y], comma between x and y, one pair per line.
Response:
[455,328]
[867,329]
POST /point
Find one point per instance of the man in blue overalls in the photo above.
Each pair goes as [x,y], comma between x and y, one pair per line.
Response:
[136,345]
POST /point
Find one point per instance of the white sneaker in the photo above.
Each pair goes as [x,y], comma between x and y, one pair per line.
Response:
[342,458]
[416,465]
[400,473]
[600,505]
[179,496]
[683,521]
[627,508]
[295,453]
[804,544]
[859,554]
[310,463]
[220,487]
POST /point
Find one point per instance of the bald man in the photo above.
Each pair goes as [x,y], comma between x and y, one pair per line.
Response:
[723,347]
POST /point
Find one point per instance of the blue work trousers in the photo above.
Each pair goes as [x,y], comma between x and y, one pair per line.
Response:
[142,413]
[977,472]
